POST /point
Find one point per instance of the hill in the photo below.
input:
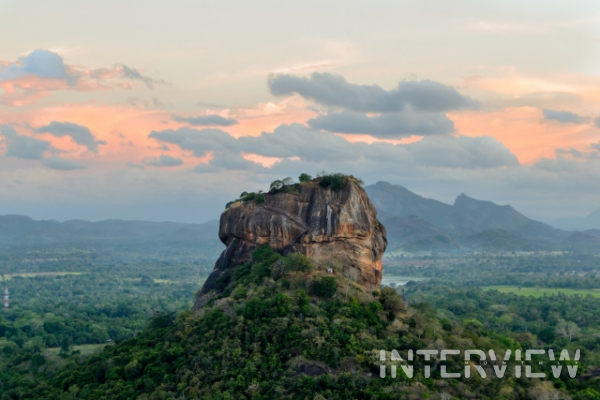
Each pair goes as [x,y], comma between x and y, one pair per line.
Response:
[591,221]
[416,223]
[22,231]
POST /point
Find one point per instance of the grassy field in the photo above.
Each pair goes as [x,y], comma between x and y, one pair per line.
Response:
[83,348]
[400,280]
[32,274]
[537,292]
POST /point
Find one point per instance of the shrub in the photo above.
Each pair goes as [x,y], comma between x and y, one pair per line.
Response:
[390,301]
[276,186]
[248,196]
[324,286]
[304,178]
[263,253]
[298,263]
[254,308]
[335,181]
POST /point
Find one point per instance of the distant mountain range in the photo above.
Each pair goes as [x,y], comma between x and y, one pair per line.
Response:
[592,221]
[413,223]
[18,230]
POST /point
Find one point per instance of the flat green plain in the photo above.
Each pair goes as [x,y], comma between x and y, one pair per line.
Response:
[537,292]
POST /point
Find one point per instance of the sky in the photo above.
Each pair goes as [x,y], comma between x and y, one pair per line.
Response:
[163,111]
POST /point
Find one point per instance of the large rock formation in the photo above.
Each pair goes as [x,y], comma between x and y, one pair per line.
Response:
[320,223]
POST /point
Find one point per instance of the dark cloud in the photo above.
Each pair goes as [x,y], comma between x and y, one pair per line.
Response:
[463,152]
[597,122]
[296,140]
[334,90]
[321,149]
[42,63]
[199,142]
[134,165]
[566,117]
[388,125]
[134,74]
[573,152]
[61,164]
[20,146]
[229,162]
[165,161]
[205,120]
[79,133]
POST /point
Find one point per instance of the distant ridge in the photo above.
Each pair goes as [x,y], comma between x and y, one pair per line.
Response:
[416,223]
[589,222]
[20,230]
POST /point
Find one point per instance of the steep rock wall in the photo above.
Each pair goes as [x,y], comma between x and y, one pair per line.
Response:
[318,222]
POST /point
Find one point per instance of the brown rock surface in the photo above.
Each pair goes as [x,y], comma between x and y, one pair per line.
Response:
[318,222]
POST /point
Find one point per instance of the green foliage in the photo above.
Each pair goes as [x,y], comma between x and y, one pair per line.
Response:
[335,181]
[285,185]
[276,186]
[324,286]
[255,343]
[57,319]
[297,262]
[263,253]
[247,197]
[390,300]
[303,178]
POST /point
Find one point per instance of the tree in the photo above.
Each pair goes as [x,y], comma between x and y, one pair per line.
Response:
[276,185]
[324,286]
[299,263]
[304,178]
[567,329]
[390,300]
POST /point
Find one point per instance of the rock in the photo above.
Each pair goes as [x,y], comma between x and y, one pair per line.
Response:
[320,223]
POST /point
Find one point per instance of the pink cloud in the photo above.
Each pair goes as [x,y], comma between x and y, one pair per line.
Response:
[41,72]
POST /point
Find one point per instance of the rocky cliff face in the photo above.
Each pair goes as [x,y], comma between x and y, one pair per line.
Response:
[320,223]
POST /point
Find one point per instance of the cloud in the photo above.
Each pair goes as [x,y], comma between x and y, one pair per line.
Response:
[297,142]
[334,90]
[199,142]
[229,162]
[42,63]
[388,125]
[597,122]
[463,152]
[165,161]
[134,74]
[42,71]
[205,120]
[79,133]
[565,117]
[572,152]
[20,146]
[61,164]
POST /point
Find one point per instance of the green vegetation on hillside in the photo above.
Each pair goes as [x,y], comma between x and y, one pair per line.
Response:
[282,328]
